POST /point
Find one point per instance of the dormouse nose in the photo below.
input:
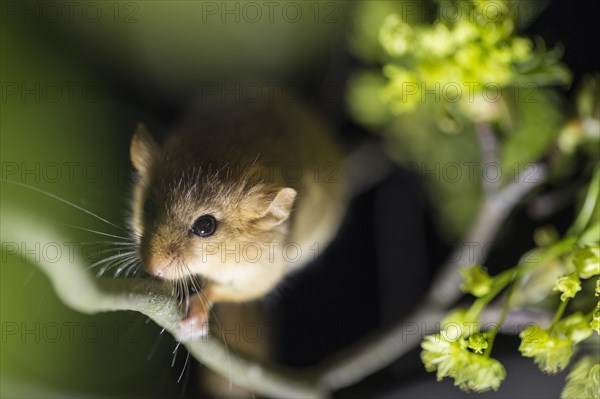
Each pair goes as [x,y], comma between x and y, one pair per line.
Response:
[153,265]
[158,258]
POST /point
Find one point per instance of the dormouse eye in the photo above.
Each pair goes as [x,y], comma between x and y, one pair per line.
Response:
[149,207]
[205,226]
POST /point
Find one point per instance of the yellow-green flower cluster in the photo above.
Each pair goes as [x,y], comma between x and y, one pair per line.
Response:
[474,49]
[478,342]
[575,328]
[444,356]
[458,352]
[470,370]
[551,354]
[552,349]
[587,261]
[569,285]
[477,281]
[483,374]
[583,381]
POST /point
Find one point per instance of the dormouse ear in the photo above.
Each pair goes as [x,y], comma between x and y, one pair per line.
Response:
[144,150]
[280,207]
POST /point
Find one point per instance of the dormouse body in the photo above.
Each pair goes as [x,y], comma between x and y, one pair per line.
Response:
[239,195]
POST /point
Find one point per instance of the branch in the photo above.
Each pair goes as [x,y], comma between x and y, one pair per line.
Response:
[383,349]
[375,353]
[497,205]
[81,291]
[516,320]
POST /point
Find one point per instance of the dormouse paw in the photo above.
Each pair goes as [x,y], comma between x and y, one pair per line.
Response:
[193,327]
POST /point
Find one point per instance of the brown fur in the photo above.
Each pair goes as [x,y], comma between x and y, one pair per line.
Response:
[232,164]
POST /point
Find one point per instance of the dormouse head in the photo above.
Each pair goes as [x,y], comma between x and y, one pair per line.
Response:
[190,218]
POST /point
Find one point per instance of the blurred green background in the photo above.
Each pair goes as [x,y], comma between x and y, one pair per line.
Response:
[71,145]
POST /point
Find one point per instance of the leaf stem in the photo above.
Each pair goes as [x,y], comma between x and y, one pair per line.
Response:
[515,278]
[558,315]
[516,272]
[587,209]
[554,251]
[502,281]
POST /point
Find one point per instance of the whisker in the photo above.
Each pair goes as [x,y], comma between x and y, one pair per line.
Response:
[120,243]
[133,269]
[153,349]
[181,288]
[214,316]
[109,251]
[39,190]
[180,294]
[175,354]
[127,261]
[113,257]
[124,265]
[110,266]
[187,358]
[173,293]
[101,271]
[120,264]
[186,290]
[88,230]
[107,267]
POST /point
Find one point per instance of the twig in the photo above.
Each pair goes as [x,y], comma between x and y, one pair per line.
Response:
[488,144]
[358,362]
[377,352]
[517,319]
[79,290]
[497,204]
